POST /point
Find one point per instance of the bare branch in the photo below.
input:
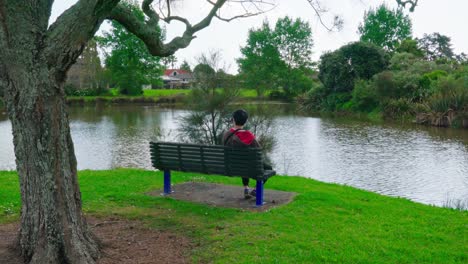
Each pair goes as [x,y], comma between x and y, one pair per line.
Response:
[246,10]
[412,3]
[319,11]
[178,18]
[168,8]
[152,35]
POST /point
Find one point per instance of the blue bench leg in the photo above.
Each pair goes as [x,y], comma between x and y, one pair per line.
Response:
[259,194]
[167,182]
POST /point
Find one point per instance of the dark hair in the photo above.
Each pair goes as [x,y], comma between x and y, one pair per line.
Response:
[240,117]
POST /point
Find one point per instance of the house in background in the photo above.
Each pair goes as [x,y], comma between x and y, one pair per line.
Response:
[177,79]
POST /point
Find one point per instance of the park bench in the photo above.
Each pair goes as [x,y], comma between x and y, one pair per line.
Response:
[210,159]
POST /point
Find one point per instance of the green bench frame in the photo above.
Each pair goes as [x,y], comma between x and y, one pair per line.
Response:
[210,159]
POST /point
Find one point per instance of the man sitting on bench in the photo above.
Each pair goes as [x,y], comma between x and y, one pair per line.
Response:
[239,137]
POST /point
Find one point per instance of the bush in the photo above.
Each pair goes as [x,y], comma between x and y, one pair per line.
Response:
[127,87]
[296,83]
[401,84]
[312,100]
[71,90]
[358,60]
[335,102]
[277,95]
[450,94]
[398,108]
[364,97]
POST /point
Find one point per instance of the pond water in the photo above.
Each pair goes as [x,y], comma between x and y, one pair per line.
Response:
[428,165]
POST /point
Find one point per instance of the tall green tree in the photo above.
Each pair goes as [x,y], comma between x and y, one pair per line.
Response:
[358,60]
[385,27]
[260,64]
[278,57]
[129,62]
[293,39]
[436,46]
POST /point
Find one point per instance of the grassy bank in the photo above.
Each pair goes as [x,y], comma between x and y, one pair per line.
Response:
[325,223]
[149,96]
[157,96]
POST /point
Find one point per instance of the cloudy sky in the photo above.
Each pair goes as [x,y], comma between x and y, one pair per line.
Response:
[447,17]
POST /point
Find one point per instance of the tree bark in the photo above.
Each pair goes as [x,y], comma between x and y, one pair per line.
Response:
[34,60]
[53,229]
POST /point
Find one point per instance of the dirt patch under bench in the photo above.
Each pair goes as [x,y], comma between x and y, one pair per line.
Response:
[225,195]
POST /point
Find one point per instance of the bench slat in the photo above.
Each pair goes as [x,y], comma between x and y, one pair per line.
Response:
[228,161]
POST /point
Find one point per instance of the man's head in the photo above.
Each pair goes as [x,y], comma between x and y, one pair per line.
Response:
[240,117]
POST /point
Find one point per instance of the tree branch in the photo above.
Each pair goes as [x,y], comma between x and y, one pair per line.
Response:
[68,35]
[254,3]
[150,34]
[152,15]
[412,3]
[319,11]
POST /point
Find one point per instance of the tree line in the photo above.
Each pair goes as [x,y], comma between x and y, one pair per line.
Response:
[387,73]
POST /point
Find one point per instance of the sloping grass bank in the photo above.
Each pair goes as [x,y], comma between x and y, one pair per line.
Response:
[162,96]
[154,96]
[326,223]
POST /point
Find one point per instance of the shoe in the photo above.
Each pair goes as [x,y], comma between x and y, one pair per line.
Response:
[247,194]
[253,193]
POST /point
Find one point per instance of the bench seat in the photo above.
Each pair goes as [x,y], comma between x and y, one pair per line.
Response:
[210,159]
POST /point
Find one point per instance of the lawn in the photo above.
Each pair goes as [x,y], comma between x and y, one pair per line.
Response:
[165,92]
[152,95]
[326,223]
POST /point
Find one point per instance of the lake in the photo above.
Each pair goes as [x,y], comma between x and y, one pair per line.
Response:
[427,165]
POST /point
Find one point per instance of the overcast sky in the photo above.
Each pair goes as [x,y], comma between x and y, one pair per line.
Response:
[447,17]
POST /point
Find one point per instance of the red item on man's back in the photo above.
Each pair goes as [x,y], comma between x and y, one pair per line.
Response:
[244,135]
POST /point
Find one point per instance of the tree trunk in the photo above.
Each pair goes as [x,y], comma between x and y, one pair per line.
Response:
[53,229]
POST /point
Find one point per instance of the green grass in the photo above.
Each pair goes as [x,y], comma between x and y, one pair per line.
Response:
[248,93]
[165,92]
[148,96]
[326,223]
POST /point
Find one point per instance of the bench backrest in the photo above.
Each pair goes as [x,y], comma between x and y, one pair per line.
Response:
[210,159]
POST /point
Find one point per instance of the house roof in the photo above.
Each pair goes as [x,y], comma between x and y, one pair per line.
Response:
[169,72]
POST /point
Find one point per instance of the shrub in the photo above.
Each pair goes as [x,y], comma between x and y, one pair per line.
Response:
[450,94]
[71,90]
[335,102]
[398,108]
[311,100]
[402,84]
[358,60]
[427,79]
[277,95]
[364,97]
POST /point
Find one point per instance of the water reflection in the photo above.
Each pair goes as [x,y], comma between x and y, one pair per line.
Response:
[428,165]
